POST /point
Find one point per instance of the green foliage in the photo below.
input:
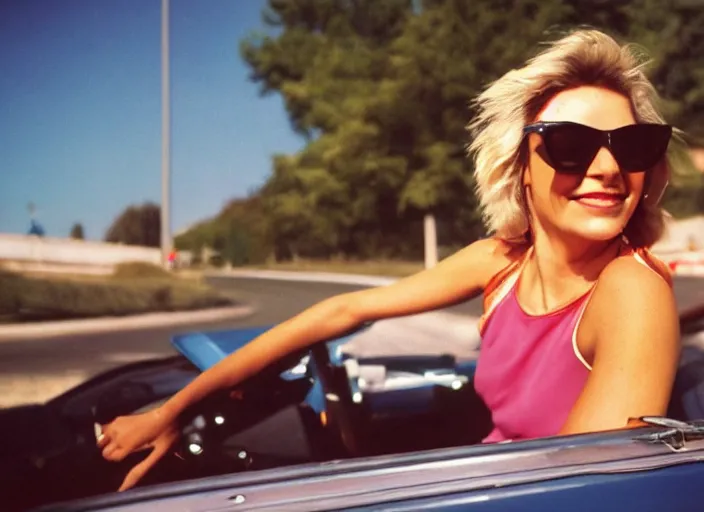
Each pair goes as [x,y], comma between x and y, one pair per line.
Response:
[673,31]
[240,233]
[35,298]
[685,201]
[381,89]
[137,225]
[140,270]
[77,232]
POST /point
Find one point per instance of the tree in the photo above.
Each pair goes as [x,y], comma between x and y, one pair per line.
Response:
[686,199]
[77,231]
[380,91]
[240,233]
[674,33]
[383,102]
[137,225]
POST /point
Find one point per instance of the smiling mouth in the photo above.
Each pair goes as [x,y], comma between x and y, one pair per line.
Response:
[600,200]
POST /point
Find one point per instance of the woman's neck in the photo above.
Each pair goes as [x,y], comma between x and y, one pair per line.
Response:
[561,269]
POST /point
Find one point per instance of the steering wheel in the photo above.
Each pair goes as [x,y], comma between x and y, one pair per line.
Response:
[205,425]
[342,395]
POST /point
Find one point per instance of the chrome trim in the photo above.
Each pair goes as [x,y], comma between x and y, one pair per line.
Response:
[363,486]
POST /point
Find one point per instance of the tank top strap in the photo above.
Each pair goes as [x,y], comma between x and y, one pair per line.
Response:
[647,258]
[500,285]
[502,282]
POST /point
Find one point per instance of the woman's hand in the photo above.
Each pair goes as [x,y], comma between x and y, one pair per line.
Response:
[427,290]
[129,434]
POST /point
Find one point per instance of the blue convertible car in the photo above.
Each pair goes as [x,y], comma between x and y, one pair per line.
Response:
[321,430]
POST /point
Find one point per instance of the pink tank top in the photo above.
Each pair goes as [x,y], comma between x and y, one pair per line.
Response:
[530,372]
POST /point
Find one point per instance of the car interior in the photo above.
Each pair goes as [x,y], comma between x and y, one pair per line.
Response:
[316,405]
[362,407]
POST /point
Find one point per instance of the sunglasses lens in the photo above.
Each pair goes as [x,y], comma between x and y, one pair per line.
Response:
[571,147]
[640,147]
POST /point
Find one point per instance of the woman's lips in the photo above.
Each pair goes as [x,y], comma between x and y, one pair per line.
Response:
[600,200]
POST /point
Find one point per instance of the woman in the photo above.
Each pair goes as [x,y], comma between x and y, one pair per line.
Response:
[580,328]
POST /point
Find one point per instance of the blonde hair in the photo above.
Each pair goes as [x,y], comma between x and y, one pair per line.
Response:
[584,57]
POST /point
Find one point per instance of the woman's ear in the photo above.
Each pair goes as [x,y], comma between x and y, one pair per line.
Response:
[525,177]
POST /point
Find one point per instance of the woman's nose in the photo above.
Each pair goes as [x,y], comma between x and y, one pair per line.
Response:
[604,164]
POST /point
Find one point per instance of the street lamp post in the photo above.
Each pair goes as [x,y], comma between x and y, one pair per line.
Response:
[431,241]
[165,137]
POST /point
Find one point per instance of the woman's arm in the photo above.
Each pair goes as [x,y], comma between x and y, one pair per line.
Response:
[634,324]
[459,276]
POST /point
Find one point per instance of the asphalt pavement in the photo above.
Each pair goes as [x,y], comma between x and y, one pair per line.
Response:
[39,369]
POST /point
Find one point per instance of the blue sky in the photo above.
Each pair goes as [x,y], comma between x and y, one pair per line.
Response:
[80,110]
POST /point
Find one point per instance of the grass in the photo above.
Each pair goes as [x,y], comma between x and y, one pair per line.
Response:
[139,270]
[374,268]
[132,289]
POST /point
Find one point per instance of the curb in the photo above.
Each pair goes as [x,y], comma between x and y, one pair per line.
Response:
[311,277]
[46,330]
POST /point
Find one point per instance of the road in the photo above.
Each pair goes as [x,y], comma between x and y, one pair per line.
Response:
[43,368]
[37,370]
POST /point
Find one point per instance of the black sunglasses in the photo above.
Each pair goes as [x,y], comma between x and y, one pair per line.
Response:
[571,147]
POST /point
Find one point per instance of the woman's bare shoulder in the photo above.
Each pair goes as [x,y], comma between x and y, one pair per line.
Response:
[632,342]
[629,273]
[496,254]
[628,288]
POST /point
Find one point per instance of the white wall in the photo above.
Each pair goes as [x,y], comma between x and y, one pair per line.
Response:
[31,252]
[682,235]
[61,251]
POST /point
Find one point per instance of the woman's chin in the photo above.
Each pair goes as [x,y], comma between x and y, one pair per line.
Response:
[599,230]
